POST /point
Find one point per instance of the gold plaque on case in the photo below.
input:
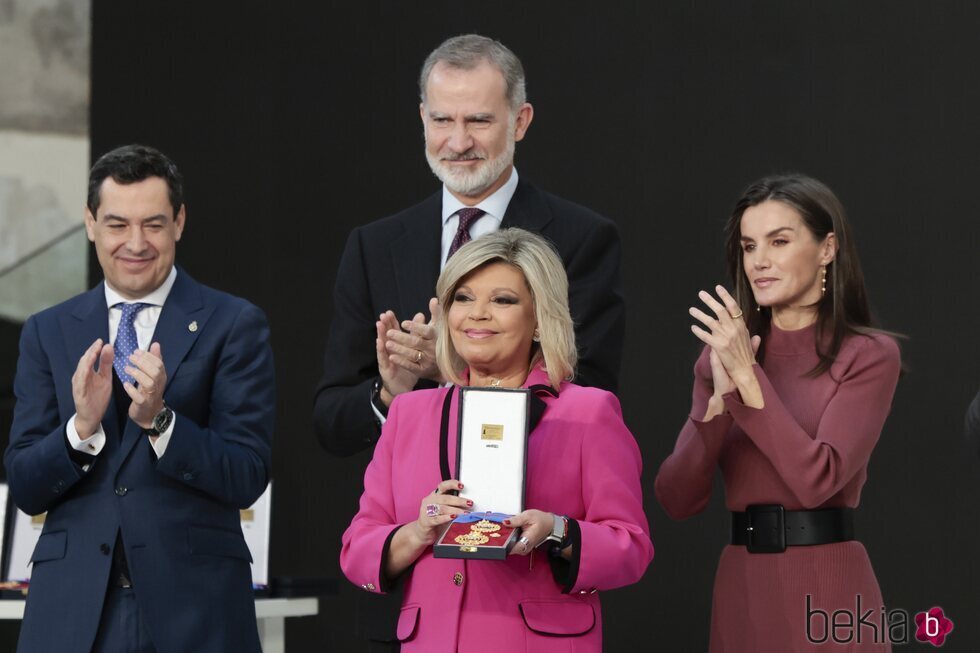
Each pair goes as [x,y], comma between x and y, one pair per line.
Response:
[492,432]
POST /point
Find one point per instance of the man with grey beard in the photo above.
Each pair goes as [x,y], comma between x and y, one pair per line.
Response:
[474,110]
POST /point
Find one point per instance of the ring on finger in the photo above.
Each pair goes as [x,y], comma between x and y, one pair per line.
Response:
[738,316]
[524,542]
[431,509]
[418,356]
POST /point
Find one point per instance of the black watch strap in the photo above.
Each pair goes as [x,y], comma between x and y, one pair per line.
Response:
[161,422]
[376,401]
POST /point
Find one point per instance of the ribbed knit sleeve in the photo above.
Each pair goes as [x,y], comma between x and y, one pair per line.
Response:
[683,484]
[816,467]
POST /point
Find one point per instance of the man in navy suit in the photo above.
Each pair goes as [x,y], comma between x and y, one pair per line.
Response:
[474,110]
[143,423]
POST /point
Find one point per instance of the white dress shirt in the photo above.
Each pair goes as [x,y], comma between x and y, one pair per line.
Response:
[493,208]
[145,323]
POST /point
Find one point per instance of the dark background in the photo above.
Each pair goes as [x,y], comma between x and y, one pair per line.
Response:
[293,124]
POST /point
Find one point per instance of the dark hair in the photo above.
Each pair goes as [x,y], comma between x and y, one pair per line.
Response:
[132,163]
[843,309]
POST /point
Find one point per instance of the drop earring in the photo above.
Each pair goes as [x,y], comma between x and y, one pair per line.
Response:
[823,280]
[536,337]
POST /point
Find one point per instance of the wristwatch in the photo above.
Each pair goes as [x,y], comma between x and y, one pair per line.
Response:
[376,401]
[559,534]
[161,422]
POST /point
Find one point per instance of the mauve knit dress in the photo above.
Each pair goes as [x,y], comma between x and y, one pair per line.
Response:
[807,448]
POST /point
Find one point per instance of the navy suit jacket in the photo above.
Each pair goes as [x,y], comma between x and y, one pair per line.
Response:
[178,515]
[393,263]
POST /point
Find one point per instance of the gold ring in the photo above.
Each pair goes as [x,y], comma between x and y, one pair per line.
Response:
[147,392]
[735,317]
[418,356]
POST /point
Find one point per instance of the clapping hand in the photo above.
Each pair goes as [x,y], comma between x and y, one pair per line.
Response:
[413,346]
[147,368]
[733,350]
[91,389]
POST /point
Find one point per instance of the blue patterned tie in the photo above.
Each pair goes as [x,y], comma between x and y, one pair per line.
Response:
[126,341]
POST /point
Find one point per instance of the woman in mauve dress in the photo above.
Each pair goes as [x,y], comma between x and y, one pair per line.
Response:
[790,396]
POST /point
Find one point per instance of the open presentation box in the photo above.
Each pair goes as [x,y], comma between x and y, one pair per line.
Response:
[491,463]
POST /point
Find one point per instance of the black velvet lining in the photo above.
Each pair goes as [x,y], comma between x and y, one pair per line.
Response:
[444,436]
[386,584]
[565,572]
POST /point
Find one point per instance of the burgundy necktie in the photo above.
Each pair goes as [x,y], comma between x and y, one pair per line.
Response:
[466,219]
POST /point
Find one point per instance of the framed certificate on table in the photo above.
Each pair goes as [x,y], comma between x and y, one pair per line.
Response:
[491,463]
[23,531]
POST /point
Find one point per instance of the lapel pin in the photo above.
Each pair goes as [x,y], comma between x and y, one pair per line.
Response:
[192,327]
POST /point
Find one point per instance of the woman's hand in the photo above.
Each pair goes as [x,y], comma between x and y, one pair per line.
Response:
[536,525]
[411,540]
[437,510]
[732,350]
[721,382]
[728,336]
[395,379]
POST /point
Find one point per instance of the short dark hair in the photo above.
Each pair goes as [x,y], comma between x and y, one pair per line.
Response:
[132,163]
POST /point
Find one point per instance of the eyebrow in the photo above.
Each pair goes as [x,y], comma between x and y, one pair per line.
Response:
[772,233]
[473,116]
[159,217]
[492,290]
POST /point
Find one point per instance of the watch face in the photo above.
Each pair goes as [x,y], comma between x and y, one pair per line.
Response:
[162,420]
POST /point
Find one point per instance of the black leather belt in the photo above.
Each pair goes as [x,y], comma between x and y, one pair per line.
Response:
[770,528]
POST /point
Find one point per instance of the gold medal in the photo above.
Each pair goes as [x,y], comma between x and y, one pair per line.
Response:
[472,538]
[485,526]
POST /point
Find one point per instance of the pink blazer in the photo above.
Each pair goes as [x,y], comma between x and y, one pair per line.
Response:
[582,463]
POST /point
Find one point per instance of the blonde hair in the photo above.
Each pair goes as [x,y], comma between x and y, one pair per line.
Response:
[545,277]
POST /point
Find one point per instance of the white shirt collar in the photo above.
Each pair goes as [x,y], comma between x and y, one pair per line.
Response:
[155,298]
[495,205]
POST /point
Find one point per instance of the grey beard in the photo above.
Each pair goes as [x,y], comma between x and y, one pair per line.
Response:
[476,182]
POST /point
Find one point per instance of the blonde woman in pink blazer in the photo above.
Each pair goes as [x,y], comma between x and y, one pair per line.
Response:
[505,323]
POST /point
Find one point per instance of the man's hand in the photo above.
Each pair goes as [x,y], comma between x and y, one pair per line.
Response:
[148,370]
[394,379]
[92,389]
[414,349]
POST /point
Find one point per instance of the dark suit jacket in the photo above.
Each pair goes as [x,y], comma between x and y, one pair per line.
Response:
[179,515]
[393,263]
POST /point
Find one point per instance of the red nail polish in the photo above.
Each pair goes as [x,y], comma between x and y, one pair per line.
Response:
[453,516]
[507,521]
[460,486]
[469,503]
